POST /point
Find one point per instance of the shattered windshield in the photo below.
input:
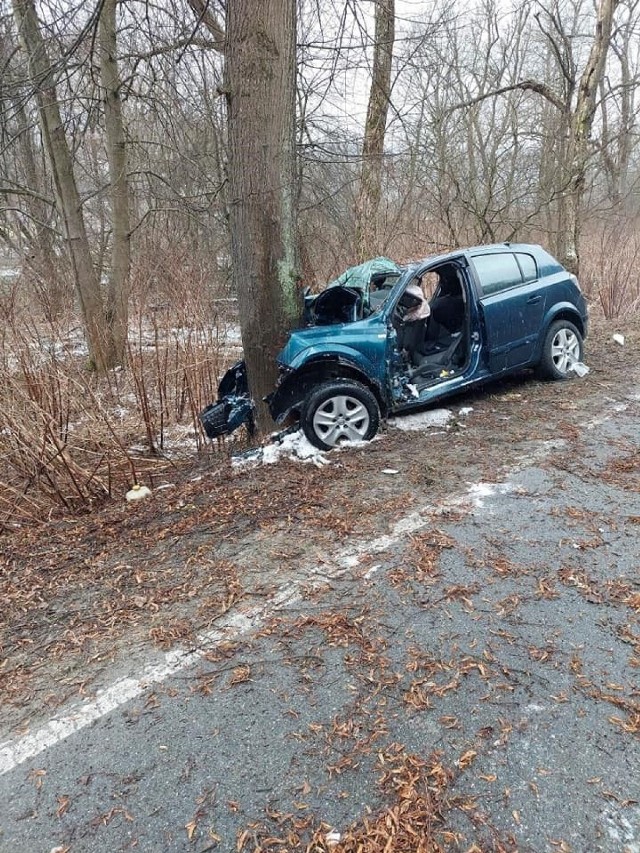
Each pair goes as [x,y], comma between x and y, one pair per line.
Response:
[361,275]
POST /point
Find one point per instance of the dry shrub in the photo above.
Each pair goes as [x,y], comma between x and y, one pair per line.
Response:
[181,281]
[70,439]
[610,267]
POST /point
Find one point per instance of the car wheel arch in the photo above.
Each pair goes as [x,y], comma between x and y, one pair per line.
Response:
[290,396]
[562,312]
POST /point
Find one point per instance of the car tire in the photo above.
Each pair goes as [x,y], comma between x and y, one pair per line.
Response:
[338,411]
[562,347]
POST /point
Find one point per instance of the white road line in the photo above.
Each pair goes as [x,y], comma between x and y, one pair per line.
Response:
[21,749]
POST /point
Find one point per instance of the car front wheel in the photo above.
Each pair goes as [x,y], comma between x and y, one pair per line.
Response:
[340,411]
[562,349]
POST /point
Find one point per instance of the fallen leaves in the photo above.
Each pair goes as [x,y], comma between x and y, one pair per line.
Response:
[63,805]
[467,758]
[167,636]
[37,777]
[240,675]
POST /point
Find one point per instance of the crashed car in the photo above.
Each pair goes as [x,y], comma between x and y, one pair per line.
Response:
[386,339]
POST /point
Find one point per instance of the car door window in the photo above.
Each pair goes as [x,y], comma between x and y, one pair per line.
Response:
[528,266]
[497,272]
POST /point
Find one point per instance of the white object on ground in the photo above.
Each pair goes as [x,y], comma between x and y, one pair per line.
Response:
[579,368]
[390,471]
[465,410]
[138,493]
[332,838]
[619,339]
[423,420]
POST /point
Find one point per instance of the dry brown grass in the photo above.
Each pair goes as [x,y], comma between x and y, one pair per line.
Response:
[70,439]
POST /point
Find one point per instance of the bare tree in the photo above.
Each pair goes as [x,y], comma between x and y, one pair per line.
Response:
[374,132]
[581,124]
[68,199]
[117,316]
[578,106]
[619,96]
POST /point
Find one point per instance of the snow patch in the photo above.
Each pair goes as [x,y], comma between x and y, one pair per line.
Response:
[295,446]
[478,492]
[423,420]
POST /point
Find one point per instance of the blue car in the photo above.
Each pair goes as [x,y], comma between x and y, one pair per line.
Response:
[400,338]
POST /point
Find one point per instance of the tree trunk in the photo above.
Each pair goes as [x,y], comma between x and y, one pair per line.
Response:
[117,317]
[260,89]
[67,196]
[373,146]
[51,291]
[581,124]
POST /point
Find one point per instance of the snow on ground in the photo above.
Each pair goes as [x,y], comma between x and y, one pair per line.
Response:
[423,420]
[294,445]
[479,492]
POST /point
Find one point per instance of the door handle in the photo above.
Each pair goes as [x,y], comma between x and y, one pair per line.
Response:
[532,300]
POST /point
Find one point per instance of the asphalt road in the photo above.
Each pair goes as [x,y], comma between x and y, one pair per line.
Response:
[493,636]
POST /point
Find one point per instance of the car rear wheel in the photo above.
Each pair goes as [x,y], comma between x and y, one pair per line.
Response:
[340,411]
[562,348]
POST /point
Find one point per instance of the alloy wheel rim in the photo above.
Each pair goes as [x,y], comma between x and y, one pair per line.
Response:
[565,350]
[341,418]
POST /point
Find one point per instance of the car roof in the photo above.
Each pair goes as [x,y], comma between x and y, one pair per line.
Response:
[484,249]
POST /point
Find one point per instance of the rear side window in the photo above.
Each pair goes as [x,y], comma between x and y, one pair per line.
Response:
[528,266]
[497,272]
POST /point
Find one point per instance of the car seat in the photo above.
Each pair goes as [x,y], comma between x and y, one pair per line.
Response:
[445,330]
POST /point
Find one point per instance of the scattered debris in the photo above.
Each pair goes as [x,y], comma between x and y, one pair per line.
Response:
[619,339]
[390,471]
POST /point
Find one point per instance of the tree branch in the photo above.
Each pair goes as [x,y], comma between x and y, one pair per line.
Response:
[206,17]
[524,85]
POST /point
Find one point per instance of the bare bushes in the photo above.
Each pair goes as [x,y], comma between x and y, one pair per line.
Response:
[70,439]
[610,267]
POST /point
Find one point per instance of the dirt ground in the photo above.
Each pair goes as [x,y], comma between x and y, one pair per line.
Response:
[81,593]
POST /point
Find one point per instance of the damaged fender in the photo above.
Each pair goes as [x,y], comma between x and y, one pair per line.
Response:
[295,385]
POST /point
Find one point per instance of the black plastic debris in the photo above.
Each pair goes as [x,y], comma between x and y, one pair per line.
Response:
[233,407]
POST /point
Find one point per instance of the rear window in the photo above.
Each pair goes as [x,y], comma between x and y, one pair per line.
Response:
[497,272]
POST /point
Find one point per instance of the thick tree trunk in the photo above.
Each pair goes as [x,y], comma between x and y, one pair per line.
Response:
[581,124]
[117,317]
[368,202]
[260,88]
[67,196]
